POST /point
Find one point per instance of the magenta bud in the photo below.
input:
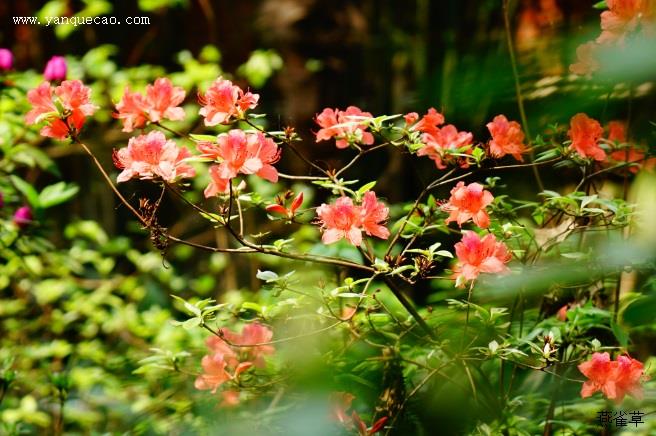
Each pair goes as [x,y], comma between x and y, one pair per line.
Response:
[55,69]
[6,59]
[23,216]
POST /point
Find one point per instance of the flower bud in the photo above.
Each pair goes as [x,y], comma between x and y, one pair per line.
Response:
[55,69]
[6,59]
[23,216]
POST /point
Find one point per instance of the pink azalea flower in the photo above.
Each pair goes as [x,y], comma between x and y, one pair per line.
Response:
[507,138]
[240,153]
[585,134]
[252,334]
[444,139]
[476,255]
[6,59]
[586,59]
[55,70]
[429,123]
[373,213]
[162,100]
[468,202]
[223,101]
[341,220]
[74,97]
[132,109]
[345,126]
[230,398]
[151,156]
[410,118]
[42,105]
[214,373]
[614,379]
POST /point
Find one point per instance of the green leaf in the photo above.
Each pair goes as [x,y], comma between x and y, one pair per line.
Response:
[365,188]
[620,334]
[27,190]
[202,138]
[56,194]
[601,5]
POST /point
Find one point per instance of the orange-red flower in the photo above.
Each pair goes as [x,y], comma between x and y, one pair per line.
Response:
[476,255]
[622,17]
[224,101]
[279,208]
[151,156]
[346,127]
[507,138]
[252,342]
[132,110]
[429,123]
[614,379]
[239,153]
[442,141]
[585,134]
[468,202]
[214,373]
[73,99]
[344,219]
[340,404]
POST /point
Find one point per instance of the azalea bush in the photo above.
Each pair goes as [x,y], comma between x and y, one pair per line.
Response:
[472,305]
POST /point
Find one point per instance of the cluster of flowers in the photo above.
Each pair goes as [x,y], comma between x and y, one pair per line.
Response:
[586,135]
[230,358]
[614,379]
[622,19]
[64,107]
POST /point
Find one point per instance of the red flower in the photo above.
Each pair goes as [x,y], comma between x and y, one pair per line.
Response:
[585,133]
[621,18]
[346,127]
[429,123]
[444,140]
[614,379]
[150,156]
[223,101]
[469,202]
[72,96]
[279,208]
[476,255]
[507,138]
[340,403]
